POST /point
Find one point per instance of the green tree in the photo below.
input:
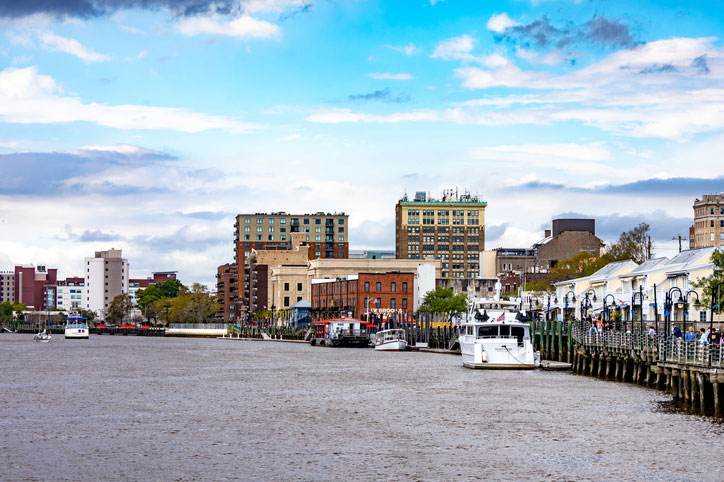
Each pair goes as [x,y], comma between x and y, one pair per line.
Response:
[6,312]
[148,298]
[711,296]
[579,265]
[263,315]
[444,300]
[119,308]
[634,245]
[194,305]
[89,314]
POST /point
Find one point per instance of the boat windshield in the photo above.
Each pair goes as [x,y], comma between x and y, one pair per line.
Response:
[501,331]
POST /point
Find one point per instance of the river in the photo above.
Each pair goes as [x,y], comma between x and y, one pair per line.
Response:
[186,409]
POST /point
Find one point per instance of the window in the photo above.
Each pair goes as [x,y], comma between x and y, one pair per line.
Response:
[286,286]
[378,287]
[711,223]
[721,223]
[318,230]
[247,237]
[299,286]
[340,230]
[259,229]
[317,237]
[306,220]
[393,303]
[393,287]
[317,221]
[404,303]
[258,237]
[367,286]
[283,221]
[340,254]
[247,220]
[341,221]
[271,237]
[259,220]
[271,221]
[404,286]
[271,229]
[340,238]
[286,301]
[247,229]
[711,236]
[283,237]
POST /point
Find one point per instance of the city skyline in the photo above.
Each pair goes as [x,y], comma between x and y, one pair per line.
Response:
[150,128]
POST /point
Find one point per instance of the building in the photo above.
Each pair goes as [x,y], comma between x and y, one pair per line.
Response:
[7,286]
[326,234]
[497,261]
[227,292]
[385,254]
[477,288]
[70,294]
[260,263]
[450,229]
[137,284]
[380,294]
[106,277]
[289,284]
[708,221]
[35,287]
[568,238]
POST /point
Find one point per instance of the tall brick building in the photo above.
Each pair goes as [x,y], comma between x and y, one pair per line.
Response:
[227,292]
[450,229]
[35,286]
[708,229]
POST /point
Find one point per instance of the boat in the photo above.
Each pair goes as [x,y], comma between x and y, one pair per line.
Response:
[42,336]
[390,340]
[76,327]
[340,332]
[497,335]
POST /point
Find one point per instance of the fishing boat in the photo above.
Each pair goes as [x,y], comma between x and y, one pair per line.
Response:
[390,340]
[497,335]
[340,332]
[76,327]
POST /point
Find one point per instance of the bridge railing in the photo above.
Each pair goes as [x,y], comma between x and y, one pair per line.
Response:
[667,349]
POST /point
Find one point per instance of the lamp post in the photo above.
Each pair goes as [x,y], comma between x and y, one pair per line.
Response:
[669,305]
[606,305]
[697,303]
[715,303]
[586,301]
[640,294]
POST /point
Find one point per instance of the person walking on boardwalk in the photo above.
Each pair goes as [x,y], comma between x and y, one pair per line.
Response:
[677,331]
[704,338]
[690,335]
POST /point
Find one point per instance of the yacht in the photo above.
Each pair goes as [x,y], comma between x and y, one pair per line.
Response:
[497,335]
[76,327]
[390,340]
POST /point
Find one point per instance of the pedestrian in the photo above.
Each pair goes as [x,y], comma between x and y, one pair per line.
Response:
[652,332]
[704,338]
[677,331]
[592,330]
[628,330]
[690,335]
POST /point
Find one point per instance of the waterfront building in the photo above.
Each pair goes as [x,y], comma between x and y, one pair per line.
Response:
[567,238]
[137,284]
[70,294]
[227,292]
[708,229]
[35,286]
[643,286]
[106,277]
[7,286]
[450,229]
[326,234]
[378,294]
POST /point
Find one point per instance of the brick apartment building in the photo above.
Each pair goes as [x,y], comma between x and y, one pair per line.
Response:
[358,294]
[450,229]
[326,234]
[227,292]
[35,286]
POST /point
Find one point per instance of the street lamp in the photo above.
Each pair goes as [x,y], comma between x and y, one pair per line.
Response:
[669,305]
[640,294]
[565,300]
[715,303]
[606,305]
[697,303]
[586,301]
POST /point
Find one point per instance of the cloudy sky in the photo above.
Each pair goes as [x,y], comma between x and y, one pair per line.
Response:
[147,125]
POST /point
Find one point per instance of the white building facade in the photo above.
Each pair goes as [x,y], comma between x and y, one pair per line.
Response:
[106,276]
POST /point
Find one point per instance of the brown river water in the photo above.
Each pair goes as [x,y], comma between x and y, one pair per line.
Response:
[135,408]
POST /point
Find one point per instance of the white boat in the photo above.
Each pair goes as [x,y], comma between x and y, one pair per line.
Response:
[76,327]
[42,336]
[497,336]
[390,340]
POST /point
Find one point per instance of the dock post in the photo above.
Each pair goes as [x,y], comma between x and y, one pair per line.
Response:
[717,406]
[569,339]
[702,392]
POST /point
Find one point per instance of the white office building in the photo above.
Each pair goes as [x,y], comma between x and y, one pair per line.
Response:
[106,276]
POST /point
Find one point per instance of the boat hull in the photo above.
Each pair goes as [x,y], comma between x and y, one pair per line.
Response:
[496,354]
[77,333]
[394,345]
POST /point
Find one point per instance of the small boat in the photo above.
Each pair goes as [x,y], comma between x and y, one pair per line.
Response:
[340,332]
[497,337]
[390,340]
[76,327]
[42,336]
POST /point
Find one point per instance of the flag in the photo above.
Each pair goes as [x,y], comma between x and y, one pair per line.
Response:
[501,317]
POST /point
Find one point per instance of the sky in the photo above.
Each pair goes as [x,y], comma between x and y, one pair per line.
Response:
[147,125]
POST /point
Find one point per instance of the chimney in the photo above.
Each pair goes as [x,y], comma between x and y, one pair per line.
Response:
[547,233]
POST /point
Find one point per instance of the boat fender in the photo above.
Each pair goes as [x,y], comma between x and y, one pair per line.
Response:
[485,357]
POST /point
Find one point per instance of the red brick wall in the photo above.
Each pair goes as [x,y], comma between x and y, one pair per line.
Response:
[350,294]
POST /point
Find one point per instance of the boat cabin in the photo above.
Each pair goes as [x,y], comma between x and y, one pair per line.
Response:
[518,331]
[340,332]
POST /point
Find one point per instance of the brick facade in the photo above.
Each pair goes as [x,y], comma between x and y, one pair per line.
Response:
[227,294]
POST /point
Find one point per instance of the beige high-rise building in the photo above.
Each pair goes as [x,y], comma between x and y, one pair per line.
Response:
[106,277]
[708,221]
[450,229]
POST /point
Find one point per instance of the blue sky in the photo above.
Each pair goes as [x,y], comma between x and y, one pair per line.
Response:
[148,124]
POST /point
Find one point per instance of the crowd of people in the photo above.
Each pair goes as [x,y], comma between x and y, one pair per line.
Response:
[704,337]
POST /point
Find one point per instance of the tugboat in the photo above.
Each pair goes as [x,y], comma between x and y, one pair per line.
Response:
[340,332]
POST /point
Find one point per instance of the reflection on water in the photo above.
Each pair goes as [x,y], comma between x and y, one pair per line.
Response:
[194,409]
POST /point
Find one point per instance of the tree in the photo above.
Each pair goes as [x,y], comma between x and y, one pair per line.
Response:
[578,265]
[148,298]
[118,309]
[88,314]
[194,305]
[443,300]
[710,292]
[634,245]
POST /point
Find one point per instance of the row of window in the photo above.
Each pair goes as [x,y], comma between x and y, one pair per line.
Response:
[327,221]
[283,237]
[286,286]
[455,221]
[415,230]
[378,287]
[282,229]
[443,212]
[443,247]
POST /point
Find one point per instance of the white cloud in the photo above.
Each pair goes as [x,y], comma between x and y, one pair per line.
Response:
[338,116]
[291,137]
[31,98]
[501,22]
[244,26]
[408,49]
[70,46]
[593,151]
[457,48]
[389,76]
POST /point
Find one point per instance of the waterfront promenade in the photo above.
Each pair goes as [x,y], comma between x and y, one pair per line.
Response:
[152,408]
